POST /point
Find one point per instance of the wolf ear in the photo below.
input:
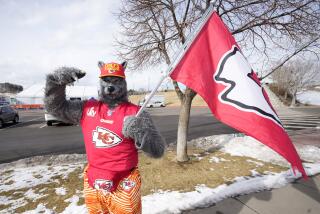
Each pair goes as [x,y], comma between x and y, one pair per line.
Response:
[100,64]
[124,65]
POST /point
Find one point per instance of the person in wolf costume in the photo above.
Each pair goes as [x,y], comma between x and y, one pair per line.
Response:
[112,135]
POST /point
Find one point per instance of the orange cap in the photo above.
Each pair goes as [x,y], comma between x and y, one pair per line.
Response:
[112,69]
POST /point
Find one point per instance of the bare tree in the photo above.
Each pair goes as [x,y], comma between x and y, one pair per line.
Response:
[303,48]
[154,30]
[296,76]
[280,77]
[10,88]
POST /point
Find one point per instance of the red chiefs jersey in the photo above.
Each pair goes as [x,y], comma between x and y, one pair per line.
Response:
[110,155]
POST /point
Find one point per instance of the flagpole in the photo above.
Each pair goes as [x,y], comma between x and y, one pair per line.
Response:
[150,95]
[178,56]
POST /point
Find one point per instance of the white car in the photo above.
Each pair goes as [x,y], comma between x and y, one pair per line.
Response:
[50,119]
[155,101]
[155,104]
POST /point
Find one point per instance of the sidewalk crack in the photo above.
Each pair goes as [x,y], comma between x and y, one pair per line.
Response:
[237,199]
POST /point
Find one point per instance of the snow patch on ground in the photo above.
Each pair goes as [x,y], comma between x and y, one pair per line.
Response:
[22,178]
[213,142]
[61,191]
[309,153]
[74,208]
[40,209]
[214,159]
[30,194]
[30,172]
[309,97]
[4,200]
[240,145]
[249,147]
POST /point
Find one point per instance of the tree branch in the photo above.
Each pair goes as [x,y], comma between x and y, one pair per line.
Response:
[290,56]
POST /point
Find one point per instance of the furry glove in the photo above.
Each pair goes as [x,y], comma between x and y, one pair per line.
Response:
[145,134]
[65,75]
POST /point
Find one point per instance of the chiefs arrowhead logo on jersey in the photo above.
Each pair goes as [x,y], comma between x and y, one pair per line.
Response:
[104,138]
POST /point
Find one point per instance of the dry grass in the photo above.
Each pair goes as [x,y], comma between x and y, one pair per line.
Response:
[4,206]
[167,174]
[171,99]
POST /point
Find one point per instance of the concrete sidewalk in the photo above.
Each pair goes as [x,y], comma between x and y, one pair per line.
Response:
[300,197]
[306,137]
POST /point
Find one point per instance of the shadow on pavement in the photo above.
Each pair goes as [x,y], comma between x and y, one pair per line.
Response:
[309,187]
[63,124]
[232,205]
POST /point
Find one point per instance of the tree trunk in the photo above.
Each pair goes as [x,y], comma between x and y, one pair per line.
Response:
[293,101]
[182,135]
[183,125]
[285,95]
[186,101]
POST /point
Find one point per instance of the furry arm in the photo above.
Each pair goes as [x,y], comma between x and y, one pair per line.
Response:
[69,111]
[146,136]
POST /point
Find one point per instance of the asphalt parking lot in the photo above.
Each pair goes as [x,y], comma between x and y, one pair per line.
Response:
[32,137]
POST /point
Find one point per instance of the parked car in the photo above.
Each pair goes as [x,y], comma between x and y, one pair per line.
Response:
[156,101]
[8,114]
[156,104]
[50,119]
[4,100]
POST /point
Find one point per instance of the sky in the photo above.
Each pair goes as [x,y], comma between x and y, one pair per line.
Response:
[39,36]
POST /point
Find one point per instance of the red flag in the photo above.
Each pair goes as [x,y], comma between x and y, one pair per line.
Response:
[216,69]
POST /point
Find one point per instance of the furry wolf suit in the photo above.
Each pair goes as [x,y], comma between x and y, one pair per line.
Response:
[112,136]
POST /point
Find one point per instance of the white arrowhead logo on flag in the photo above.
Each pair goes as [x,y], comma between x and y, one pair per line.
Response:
[243,91]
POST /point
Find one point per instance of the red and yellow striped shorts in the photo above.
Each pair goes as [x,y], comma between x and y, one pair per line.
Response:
[124,200]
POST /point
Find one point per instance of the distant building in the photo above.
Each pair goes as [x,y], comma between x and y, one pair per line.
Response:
[8,99]
[35,94]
